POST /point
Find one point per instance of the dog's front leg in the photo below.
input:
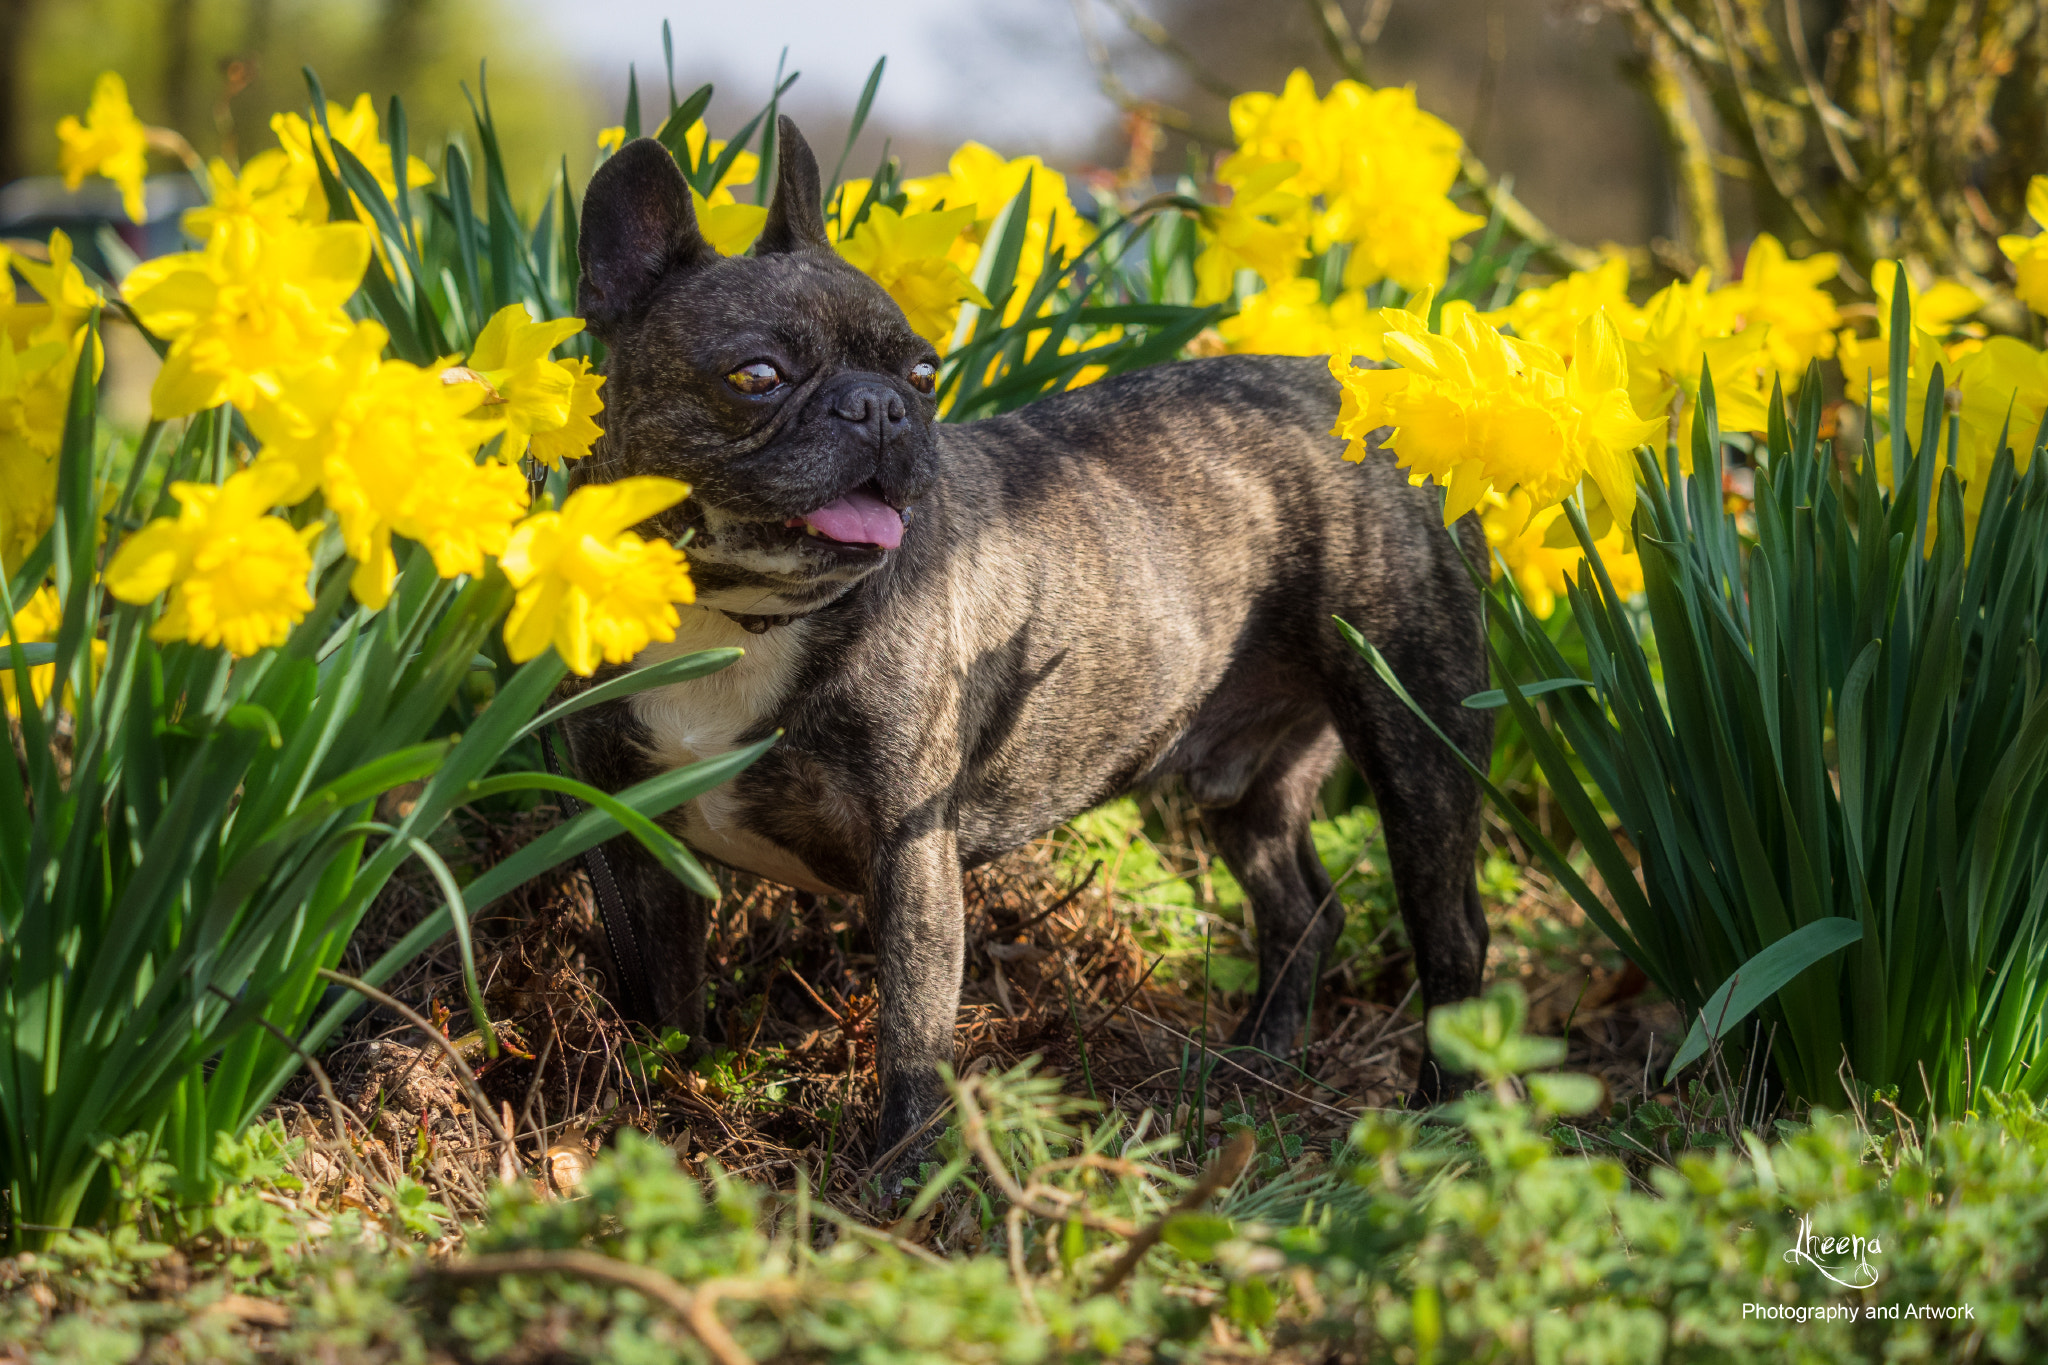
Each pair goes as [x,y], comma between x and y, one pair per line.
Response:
[919,920]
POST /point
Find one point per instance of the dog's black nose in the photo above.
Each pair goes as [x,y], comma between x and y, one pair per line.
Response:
[876,407]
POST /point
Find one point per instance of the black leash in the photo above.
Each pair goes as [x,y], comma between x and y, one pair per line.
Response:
[636,991]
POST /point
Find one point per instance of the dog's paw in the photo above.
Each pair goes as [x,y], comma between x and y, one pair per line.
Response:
[905,1132]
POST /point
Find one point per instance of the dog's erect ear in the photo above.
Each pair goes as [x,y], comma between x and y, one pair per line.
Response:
[796,220]
[638,225]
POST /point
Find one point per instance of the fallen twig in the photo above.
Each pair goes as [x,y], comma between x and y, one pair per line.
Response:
[1229,1163]
[974,1132]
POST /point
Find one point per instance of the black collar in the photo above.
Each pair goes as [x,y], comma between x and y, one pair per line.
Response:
[760,625]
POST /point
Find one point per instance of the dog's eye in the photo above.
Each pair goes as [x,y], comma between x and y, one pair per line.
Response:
[923,375]
[755,379]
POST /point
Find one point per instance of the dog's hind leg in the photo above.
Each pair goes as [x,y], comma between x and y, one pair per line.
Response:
[1264,838]
[1429,808]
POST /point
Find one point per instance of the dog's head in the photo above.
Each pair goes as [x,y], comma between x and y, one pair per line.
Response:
[785,386]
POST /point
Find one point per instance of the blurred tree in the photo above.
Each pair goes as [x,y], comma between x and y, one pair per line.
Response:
[17,21]
[1871,129]
[1868,128]
[178,18]
[1525,80]
[217,70]
[400,32]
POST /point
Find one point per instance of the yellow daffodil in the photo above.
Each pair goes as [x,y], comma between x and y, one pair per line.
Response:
[1785,296]
[745,167]
[979,176]
[1993,386]
[1263,229]
[573,439]
[2004,389]
[587,584]
[1678,328]
[1999,387]
[1938,309]
[609,140]
[1285,318]
[846,201]
[1551,315]
[111,142]
[35,623]
[1475,411]
[35,389]
[354,128]
[236,575]
[298,422]
[1866,362]
[2029,255]
[251,304]
[265,192]
[1518,537]
[38,621]
[66,298]
[28,444]
[730,227]
[393,448]
[907,255]
[1409,245]
[1936,312]
[535,397]
[1289,127]
[39,350]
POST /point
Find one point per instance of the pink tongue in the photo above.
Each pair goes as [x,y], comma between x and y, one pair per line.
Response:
[858,518]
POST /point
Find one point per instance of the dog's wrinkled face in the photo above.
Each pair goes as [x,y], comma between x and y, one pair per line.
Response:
[785,387]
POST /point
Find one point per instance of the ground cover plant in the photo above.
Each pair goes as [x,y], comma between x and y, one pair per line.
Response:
[1741,622]
[1493,1234]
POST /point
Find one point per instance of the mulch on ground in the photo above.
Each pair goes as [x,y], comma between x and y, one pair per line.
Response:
[1054,971]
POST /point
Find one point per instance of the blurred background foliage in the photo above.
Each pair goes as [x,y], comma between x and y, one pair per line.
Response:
[1678,128]
[217,70]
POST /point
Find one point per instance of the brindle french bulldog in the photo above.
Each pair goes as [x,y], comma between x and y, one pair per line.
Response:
[970,633]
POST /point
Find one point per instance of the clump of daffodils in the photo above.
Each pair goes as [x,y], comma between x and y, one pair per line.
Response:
[1995,386]
[1362,166]
[1481,413]
[1362,170]
[256,321]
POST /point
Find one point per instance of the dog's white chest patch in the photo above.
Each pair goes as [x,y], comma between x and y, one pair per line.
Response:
[705,717]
